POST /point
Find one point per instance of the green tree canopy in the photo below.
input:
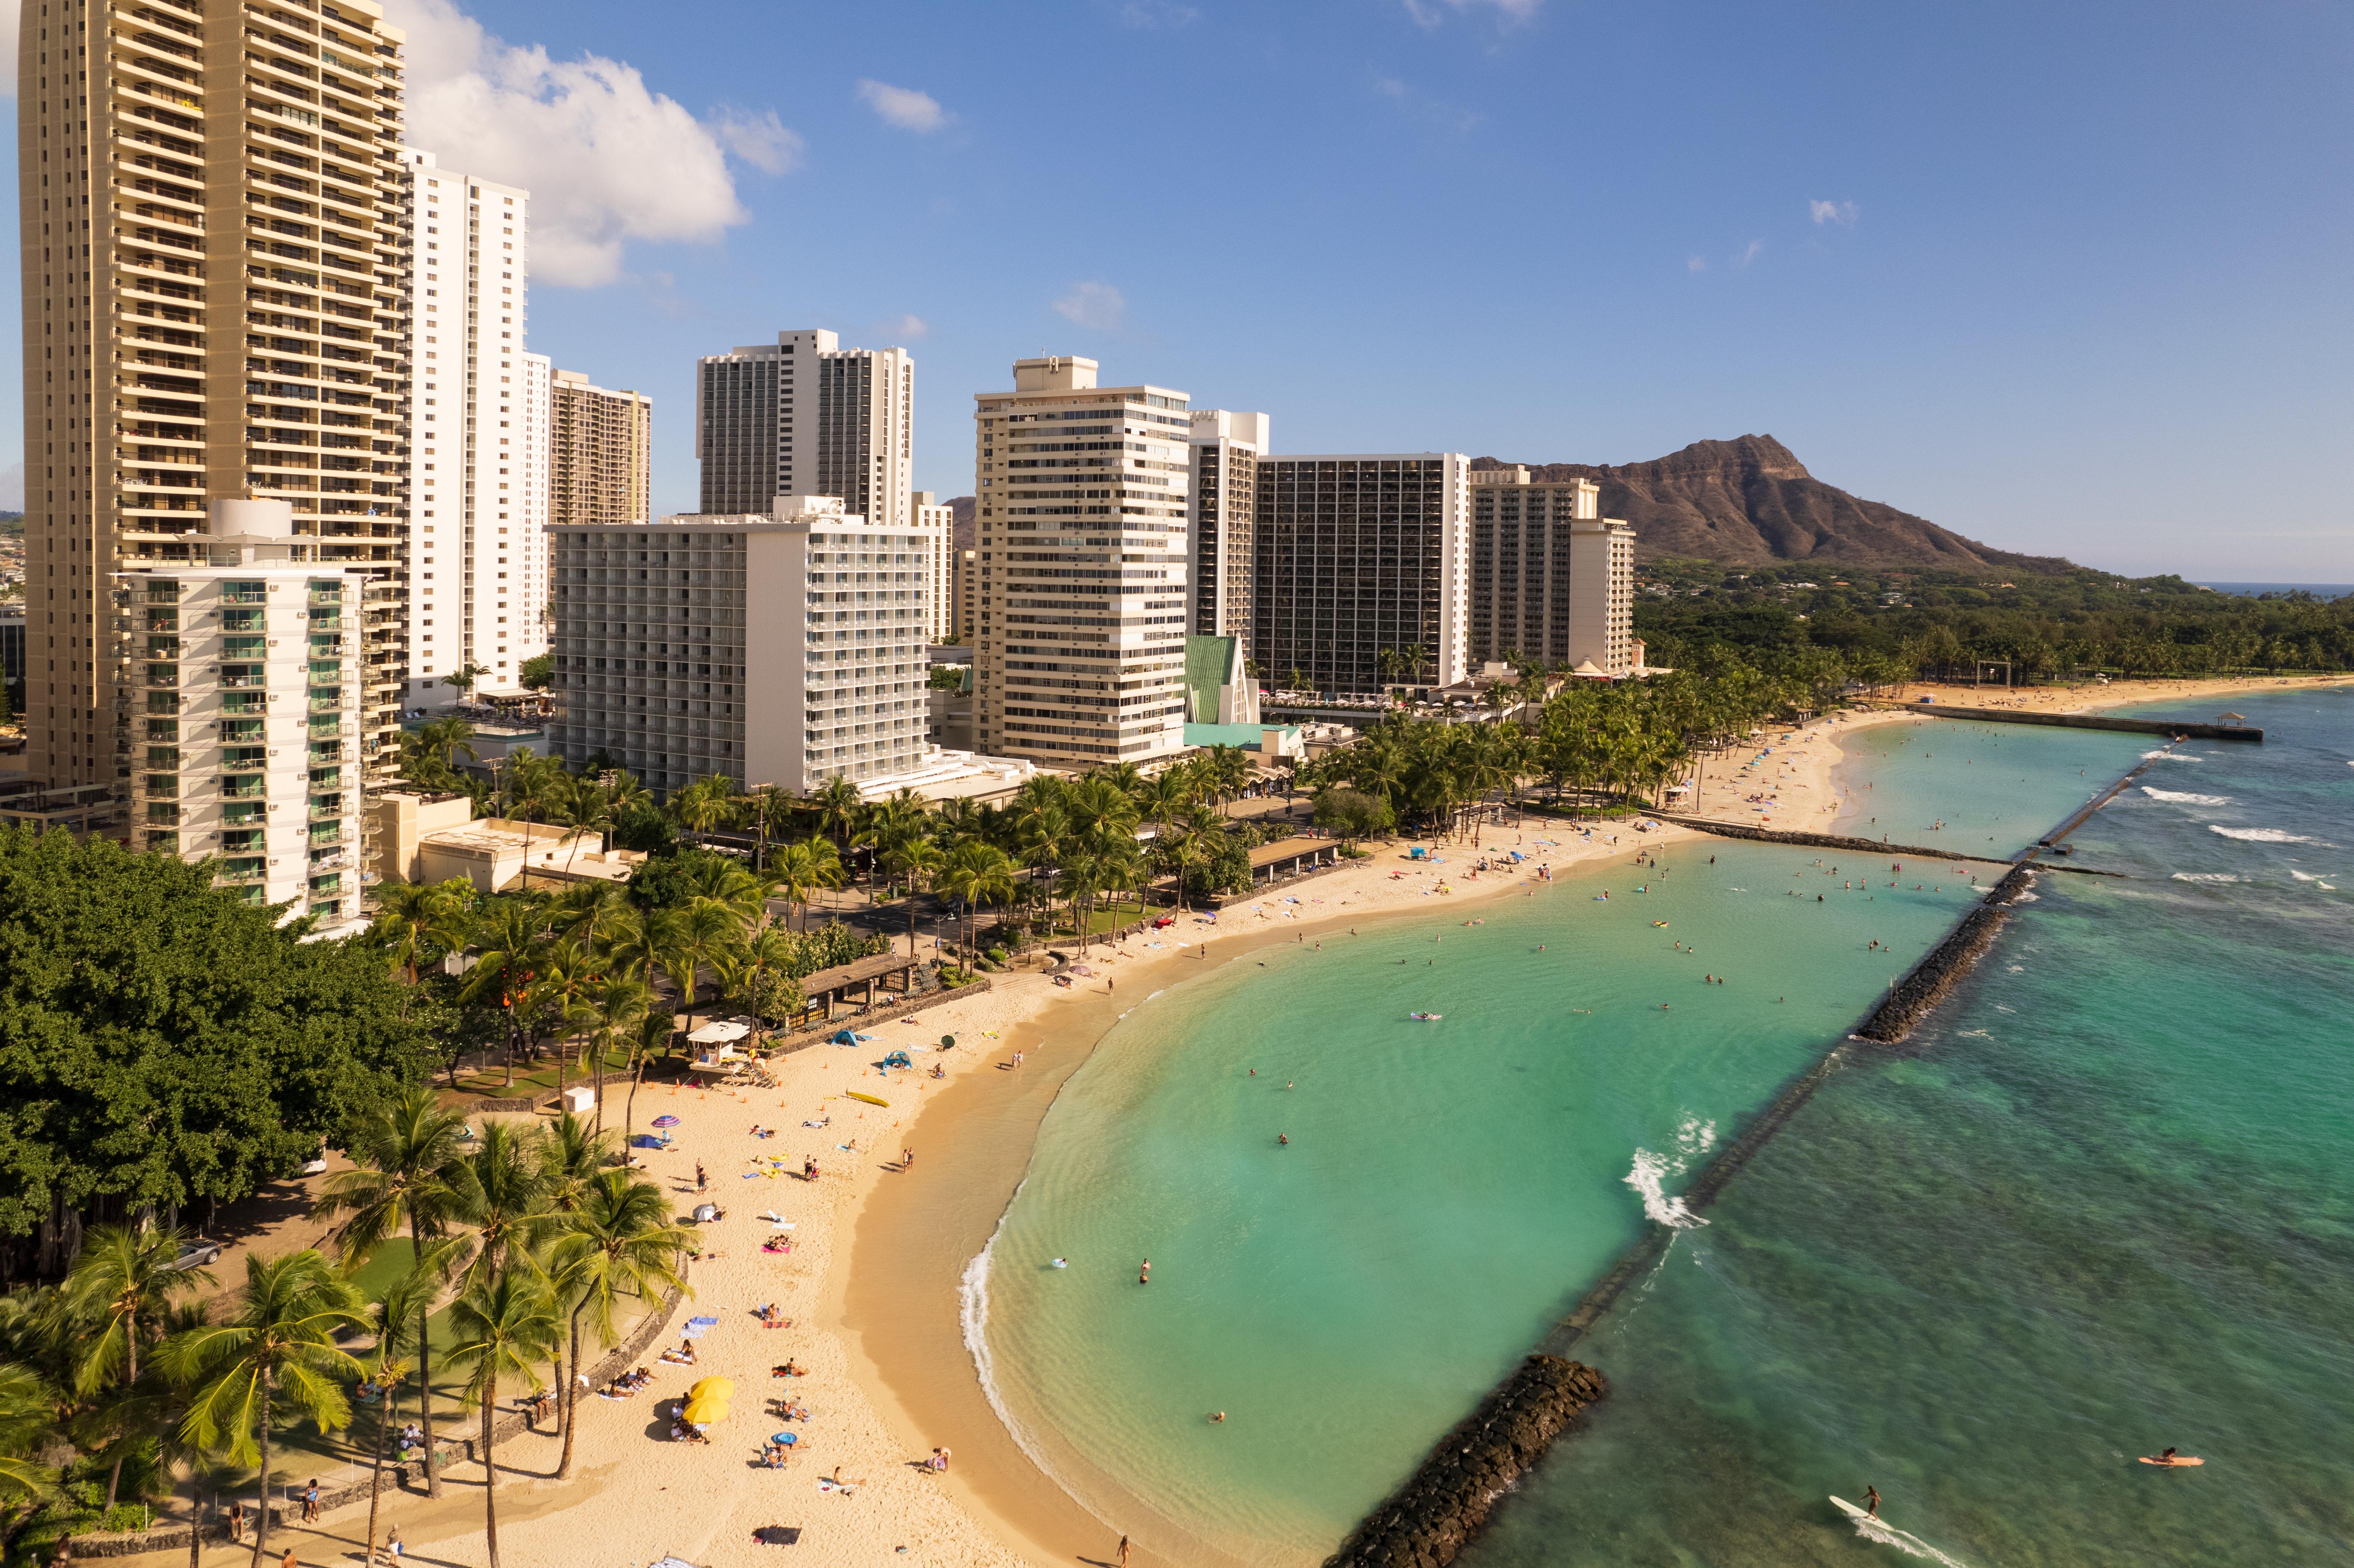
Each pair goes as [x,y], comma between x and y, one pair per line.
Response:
[161,1043]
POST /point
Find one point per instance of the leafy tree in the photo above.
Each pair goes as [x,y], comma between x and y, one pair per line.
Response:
[1351,814]
[619,1242]
[161,1043]
[537,674]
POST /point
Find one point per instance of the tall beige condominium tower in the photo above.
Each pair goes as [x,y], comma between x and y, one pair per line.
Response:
[601,453]
[1552,580]
[1226,450]
[937,520]
[803,416]
[481,426]
[1361,574]
[210,225]
[965,589]
[1081,652]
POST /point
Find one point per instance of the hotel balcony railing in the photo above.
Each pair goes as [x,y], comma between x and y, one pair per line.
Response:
[242,787]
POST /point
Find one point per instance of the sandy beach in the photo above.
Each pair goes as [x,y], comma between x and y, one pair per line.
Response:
[878,1247]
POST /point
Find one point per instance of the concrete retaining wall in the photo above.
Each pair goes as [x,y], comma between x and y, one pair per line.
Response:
[2081,721]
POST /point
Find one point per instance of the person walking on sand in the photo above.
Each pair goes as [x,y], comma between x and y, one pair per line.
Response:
[701,1180]
[1123,1552]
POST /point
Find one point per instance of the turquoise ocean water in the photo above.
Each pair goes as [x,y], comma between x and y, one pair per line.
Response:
[2100,1205]
[1449,1190]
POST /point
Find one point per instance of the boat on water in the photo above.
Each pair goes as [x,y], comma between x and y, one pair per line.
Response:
[1425,1017]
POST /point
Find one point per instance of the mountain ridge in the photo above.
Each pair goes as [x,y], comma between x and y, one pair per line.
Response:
[1750,501]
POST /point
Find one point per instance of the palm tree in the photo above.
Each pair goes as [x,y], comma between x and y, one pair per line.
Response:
[442,740]
[419,922]
[405,1155]
[978,874]
[502,1192]
[705,933]
[802,869]
[1416,656]
[508,930]
[919,861]
[274,1357]
[619,1004]
[505,1326]
[655,1029]
[837,802]
[400,1311]
[638,940]
[771,809]
[28,1407]
[707,803]
[120,1289]
[619,1241]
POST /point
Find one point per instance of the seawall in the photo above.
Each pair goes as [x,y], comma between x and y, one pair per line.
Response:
[2168,727]
[1725,829]
[1444,1503]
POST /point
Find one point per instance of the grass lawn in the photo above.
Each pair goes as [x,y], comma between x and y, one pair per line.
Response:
[539,1077]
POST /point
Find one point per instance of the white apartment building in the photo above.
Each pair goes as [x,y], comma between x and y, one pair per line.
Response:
[1552,578]
[784,647]
[479,423]
[1226,450]
[1357,555]
[246,661]
[805,416]
[1081,592]
[936,520]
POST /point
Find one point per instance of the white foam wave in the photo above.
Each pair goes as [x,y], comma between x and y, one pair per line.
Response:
[1659,1206]
[2168,757]
[2262,835]
[2305,876]
[2024,898]
[2204,876]
[972,1321]
[2183,798]
[1887,1534]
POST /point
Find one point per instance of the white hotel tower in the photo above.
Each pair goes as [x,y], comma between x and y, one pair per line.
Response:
[244,664]
[479,438]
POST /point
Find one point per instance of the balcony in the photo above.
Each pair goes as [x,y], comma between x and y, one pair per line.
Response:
[242,786]
[232,872]
[327,832]
[243,816]
[330,883]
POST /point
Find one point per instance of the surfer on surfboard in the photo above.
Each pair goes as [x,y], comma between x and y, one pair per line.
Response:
[1871,1501]
[2168,1458]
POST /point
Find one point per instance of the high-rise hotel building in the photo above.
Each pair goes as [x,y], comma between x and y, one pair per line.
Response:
[1552,580]
[1081,593]
[210,222]
[1362,578]
[805,416]
[601,453]
[937,520]
[481,431]
[1226,450]
[784,647]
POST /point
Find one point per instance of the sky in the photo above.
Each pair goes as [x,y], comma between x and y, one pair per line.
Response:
[2067,279]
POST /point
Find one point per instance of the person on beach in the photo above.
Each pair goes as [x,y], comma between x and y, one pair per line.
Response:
[311,1502]
[1871,1501]
[701,1181]
[394,1545]
[1123,1552]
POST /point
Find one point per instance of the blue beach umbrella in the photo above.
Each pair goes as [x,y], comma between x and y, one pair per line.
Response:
[666,1121]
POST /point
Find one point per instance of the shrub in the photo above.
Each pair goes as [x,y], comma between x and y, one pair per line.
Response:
[994,954]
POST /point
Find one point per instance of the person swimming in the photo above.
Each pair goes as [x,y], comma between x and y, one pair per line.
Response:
[1060,1263]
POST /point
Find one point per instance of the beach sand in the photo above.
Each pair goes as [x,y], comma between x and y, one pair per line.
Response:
[873,1282]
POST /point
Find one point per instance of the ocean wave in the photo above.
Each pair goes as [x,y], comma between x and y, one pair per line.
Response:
[2305,876]
[2183,798]
[2168,757]
[973,1322]
[2262,835]
[1887,1534]
[1694,1138]
[2204,876]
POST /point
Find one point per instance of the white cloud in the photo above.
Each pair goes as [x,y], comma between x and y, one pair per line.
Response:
[905,327]
[1094,305]
[1427,14]
[605,159]
[903,106]
[1840,212]
[760,139]
[1695,263]
[1749,253]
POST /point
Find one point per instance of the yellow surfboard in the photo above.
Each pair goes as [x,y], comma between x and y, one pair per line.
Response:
[870,1100]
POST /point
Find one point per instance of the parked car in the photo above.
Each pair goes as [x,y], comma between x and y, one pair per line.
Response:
[197,1253]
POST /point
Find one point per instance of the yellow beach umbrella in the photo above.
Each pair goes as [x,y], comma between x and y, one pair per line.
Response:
[721,1386]
[703,1412]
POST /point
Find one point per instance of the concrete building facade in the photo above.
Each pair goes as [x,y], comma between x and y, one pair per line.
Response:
[964,592]
[1080,643]
[246,661]
[210,245]
[784,647]
[1357,554]
[601,453]
[936,520]
[1226,450]
[480,422]
[1551,579]
[805,416]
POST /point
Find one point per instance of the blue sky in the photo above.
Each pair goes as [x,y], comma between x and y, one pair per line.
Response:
[2068,279]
